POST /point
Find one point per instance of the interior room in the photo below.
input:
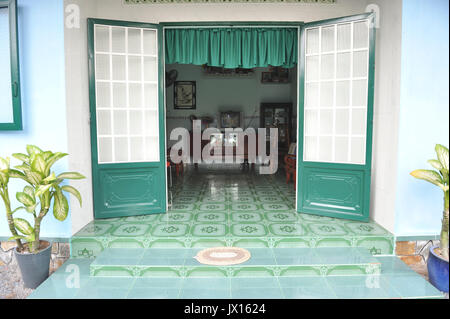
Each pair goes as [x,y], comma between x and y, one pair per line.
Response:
[237,98]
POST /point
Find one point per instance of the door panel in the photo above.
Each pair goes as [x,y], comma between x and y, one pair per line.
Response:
[335,122]
[127,118]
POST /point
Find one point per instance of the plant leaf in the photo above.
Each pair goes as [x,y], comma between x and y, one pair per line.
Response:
[73,191]
[52,159]
[29,191]
[4,178]
[50,178]
[436,164]
[71,175]
[38,164]
[429,176]
[33,178]
[21,157]
[32,149]
[60,206]
[23,226]
[46,155]
[442,154]
[42,189]
[16,174]
[25,199]
[4,164]
[16,237]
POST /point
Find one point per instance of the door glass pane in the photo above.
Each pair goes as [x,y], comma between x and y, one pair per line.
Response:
[118,40]
[103,95]
[311,122]
[102,67]
[336,87]
[119,95]
[150,69]
[327,67]
[360,35]
[105,149]
[312,95]
[134,41]
[310,148]
[312,41]
[150,42]
[118,67]
[127,104]
[342,93]
[135,95]
[104,123]
[326,94]
[121,149]
[151,96]
[344,36]
[360,60]
[134,68]
[328,39]
[102,39]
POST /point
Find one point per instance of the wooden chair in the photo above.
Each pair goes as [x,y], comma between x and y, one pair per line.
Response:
[179,167]
[290,162]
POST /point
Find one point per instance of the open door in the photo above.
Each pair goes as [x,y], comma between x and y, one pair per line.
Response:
[127,118]
[335,117]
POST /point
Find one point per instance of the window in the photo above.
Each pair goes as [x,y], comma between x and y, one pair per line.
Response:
[10,107]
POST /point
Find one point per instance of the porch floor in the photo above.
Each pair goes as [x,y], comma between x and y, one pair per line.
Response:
[227,207]
[231,208]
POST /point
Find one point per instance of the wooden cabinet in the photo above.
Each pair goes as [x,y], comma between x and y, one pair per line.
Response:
[278,115]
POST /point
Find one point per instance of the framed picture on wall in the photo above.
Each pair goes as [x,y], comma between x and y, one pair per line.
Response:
[184,95]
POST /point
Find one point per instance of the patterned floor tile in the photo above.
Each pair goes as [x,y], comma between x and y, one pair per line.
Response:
[230,208]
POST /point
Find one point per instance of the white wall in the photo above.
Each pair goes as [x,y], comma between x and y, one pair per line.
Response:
[77,112]
[386,112]
[386,87]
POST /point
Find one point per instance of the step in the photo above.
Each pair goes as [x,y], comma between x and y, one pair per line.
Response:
[268,262]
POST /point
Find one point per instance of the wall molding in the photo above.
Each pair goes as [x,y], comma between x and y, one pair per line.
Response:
[226,1]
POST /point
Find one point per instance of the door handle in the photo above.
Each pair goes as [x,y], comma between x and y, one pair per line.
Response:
[15,89]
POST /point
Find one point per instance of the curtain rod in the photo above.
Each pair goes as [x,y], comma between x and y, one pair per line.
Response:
[229,26]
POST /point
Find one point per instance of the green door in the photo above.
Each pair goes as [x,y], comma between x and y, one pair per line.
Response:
[335,117]
[127,118]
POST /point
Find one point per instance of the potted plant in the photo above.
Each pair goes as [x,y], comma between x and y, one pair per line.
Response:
[44,188]
[438,258]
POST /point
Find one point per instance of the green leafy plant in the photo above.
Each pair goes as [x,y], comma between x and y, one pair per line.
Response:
[44,189]
[439,177]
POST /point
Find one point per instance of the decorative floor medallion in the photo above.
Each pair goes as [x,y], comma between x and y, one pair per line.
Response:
[223,256]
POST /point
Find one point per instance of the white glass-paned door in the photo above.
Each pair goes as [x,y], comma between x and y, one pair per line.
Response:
[336,81]
[126,74]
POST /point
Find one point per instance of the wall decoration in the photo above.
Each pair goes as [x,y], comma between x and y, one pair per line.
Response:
[184,95]
[223,72]
[275,75]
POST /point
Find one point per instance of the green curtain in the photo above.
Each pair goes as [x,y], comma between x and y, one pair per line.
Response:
[232,47]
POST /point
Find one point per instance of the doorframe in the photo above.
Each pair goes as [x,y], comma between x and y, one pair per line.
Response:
[237,24]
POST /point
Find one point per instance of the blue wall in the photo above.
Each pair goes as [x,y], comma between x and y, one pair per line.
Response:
[41,47]
[423,113]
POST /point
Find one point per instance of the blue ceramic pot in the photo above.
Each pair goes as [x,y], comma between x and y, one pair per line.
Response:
[437,270]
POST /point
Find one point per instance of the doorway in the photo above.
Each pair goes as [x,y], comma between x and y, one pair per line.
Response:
[335,59]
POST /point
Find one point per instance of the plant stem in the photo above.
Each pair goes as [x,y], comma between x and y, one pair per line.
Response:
[444,230]
[9,216]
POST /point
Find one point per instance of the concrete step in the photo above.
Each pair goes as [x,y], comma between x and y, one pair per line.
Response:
[267,262]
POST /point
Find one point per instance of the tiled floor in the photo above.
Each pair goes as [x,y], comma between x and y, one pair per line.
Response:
[230,208]
[72,280]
